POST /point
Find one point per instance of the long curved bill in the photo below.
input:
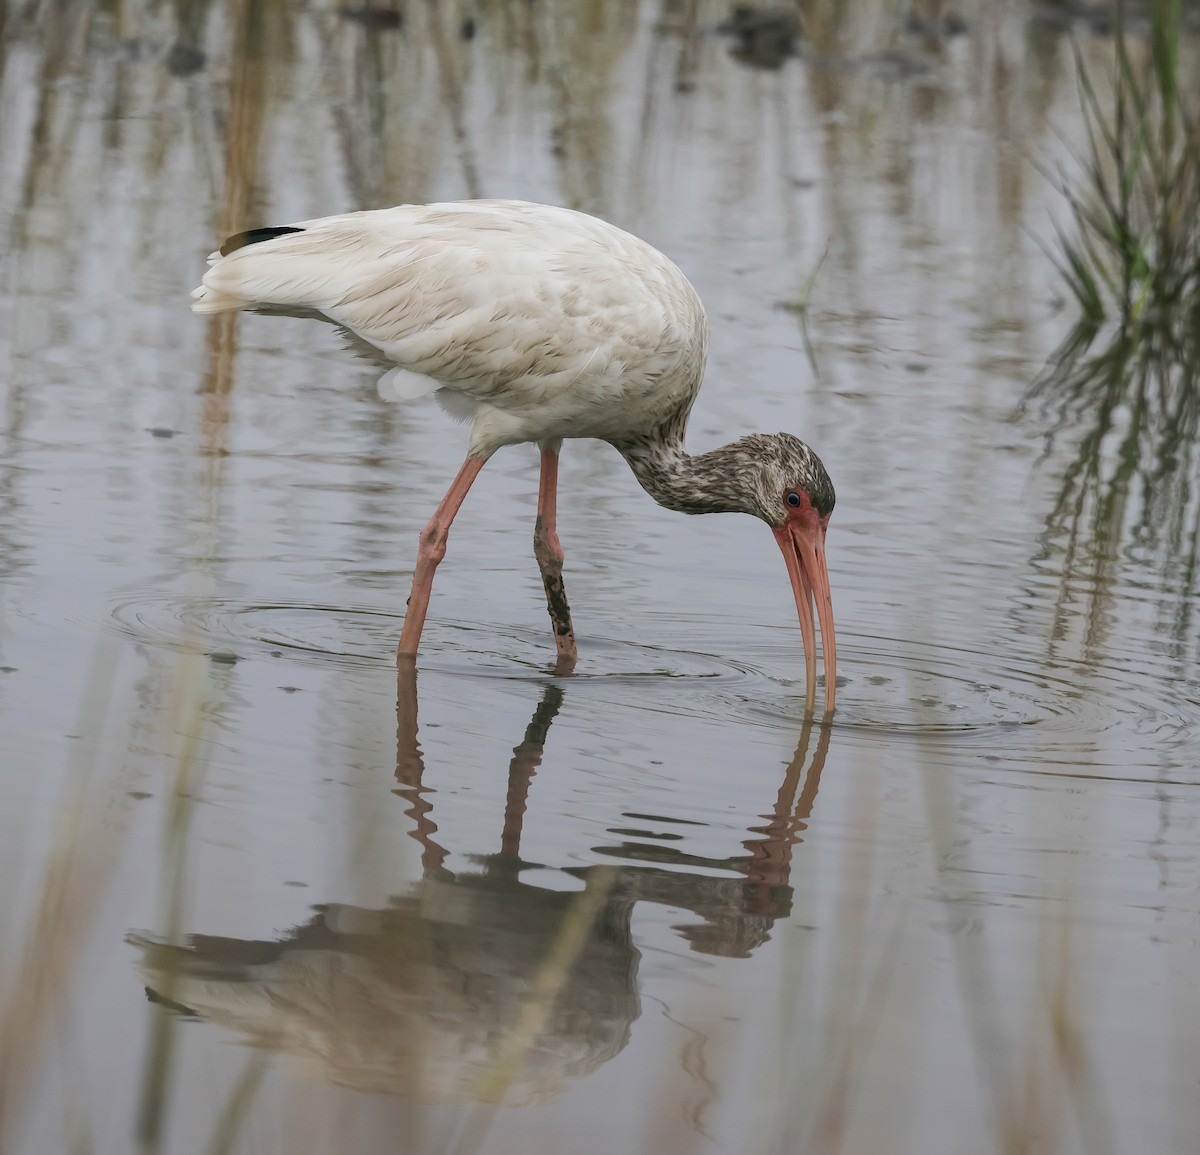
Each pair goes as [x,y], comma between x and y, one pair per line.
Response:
[803,547]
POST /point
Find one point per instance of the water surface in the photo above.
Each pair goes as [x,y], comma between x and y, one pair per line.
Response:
[262,896]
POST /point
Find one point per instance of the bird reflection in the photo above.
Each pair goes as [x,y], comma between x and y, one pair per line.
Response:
[474,985]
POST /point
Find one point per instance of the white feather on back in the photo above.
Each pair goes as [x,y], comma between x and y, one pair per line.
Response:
[534,314]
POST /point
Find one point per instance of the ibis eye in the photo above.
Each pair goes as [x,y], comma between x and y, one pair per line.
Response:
[793,498]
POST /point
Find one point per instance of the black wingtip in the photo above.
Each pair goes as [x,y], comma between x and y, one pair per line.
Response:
[253,236]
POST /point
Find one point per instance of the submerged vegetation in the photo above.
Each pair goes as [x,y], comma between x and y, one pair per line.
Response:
[1124,385]
[1133,257]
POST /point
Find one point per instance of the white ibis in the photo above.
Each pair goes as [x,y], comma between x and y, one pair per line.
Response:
[541,323]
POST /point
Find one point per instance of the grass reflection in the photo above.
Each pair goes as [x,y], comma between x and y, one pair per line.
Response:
[77,869]
[1132,412]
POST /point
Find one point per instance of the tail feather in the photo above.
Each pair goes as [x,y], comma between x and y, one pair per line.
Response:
[206,300]
[286,267]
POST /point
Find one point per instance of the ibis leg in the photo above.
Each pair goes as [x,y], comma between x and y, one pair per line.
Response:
[431,551]
[549,554]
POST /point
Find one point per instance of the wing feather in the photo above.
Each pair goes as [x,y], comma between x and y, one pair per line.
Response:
[513,304]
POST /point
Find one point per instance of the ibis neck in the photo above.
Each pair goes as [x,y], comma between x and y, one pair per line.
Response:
[707,483]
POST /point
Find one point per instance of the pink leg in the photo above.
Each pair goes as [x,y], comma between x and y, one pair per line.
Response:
[549,554]
[431,551]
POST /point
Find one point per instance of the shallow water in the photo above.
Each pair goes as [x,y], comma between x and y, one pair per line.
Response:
[645,907]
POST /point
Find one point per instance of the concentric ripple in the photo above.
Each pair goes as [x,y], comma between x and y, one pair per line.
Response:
[1074,718]
[347,636]
[1087,718]
[366,636]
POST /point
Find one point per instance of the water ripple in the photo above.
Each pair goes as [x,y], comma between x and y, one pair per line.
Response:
[1020,710]
[1024,711]
[361,636]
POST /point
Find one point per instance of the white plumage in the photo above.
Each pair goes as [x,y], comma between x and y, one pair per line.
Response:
[549,323]
[541,324]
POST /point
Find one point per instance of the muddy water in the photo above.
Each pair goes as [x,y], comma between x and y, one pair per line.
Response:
[258,896]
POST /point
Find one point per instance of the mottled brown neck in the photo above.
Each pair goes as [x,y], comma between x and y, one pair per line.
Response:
[714,482]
